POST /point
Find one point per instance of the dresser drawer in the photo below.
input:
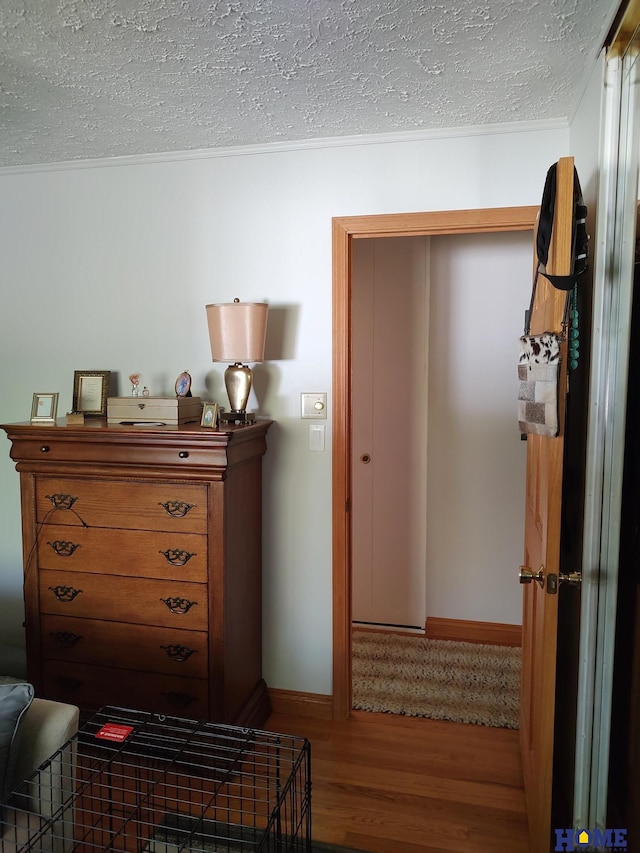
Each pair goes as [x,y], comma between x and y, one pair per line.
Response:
[141,647]
[115,503]
[174,604]
[92,687]
[142,553]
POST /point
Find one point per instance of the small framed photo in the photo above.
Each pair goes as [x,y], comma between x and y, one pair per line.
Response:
[209,415]
[90,391]
[183,385]
[44,408]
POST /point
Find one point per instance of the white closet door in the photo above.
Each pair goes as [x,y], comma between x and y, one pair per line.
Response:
[389,438]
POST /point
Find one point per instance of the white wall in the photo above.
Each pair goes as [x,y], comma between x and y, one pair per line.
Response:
[109,267]
[585,143]
[480,288]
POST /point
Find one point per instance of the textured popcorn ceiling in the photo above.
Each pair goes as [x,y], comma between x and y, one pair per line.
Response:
[101,78]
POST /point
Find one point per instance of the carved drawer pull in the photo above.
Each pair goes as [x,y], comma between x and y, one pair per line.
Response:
[178,653]
[65,593]
[177,509]
[177,557]
[67,639]
[178,605]
[180,700]
[68,682]
[63,549]
[61,501]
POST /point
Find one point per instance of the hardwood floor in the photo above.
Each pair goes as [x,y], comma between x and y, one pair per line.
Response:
[388,784]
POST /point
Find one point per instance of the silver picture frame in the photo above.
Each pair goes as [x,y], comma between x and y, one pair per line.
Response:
[44,408]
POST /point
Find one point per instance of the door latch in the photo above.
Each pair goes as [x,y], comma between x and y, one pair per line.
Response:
[554,581]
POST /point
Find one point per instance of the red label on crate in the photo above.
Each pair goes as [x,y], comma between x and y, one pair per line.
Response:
[115,732]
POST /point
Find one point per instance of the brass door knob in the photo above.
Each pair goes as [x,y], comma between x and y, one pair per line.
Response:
[526,575]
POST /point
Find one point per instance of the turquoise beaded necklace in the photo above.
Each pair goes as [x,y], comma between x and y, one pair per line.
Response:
[574,332]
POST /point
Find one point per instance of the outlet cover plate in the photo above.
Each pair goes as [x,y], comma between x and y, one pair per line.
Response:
[313,405]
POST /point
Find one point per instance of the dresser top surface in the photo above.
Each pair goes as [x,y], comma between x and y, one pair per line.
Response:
[191,448]
[99,428]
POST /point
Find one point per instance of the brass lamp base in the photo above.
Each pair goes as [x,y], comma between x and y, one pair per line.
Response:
[237,379]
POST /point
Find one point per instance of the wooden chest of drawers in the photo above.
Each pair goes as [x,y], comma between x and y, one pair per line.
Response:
[142,562]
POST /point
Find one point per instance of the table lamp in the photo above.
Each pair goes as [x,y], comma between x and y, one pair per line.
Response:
[237,333]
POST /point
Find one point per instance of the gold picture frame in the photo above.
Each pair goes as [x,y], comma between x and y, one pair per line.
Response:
[209,415]
[90,391]
[183,384]
[44,408]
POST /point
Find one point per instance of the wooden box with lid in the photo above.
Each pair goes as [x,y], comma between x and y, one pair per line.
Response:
[142,566]
[162,410]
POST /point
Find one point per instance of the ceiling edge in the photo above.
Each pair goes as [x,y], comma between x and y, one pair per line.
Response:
[305,144]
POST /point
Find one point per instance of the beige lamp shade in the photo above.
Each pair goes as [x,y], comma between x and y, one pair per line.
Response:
[237,331]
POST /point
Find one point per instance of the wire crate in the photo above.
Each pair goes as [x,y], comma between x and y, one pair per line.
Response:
[149,783]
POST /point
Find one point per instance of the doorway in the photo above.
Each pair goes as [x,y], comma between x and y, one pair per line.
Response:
[345,231]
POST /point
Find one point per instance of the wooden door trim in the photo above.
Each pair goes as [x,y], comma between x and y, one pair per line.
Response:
[345,229]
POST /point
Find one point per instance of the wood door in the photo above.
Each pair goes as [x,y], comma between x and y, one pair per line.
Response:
[543,506]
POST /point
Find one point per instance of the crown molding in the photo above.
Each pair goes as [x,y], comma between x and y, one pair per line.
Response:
[296,145]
